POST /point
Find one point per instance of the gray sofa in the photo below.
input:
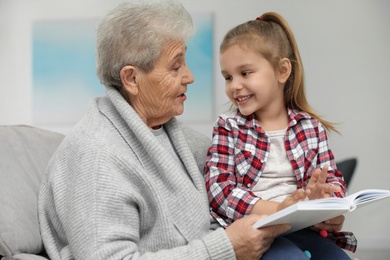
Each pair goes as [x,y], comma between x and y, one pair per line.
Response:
[24,154]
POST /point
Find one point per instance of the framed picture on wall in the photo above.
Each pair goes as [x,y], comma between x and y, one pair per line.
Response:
[64,75]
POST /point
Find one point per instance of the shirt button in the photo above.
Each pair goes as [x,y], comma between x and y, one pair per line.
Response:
[248,185]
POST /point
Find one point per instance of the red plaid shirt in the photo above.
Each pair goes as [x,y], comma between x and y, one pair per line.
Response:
[239,152]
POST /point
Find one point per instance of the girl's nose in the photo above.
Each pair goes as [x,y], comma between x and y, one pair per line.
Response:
[235,85]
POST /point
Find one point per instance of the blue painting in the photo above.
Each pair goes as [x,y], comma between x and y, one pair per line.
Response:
[200,59]
[64,75]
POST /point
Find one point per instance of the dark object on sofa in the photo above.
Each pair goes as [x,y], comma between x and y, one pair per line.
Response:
[347,167]
[24,154]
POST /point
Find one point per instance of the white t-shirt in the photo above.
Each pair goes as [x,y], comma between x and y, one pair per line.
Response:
[278,179]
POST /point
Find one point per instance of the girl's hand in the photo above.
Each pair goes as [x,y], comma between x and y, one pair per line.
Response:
[330,225]
[318,186]
[298,195]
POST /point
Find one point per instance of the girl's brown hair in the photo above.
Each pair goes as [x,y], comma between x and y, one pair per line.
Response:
[271,36]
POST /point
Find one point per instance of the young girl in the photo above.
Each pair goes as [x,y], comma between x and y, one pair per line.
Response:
[273,143]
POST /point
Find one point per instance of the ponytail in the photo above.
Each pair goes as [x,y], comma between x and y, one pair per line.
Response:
[294,92]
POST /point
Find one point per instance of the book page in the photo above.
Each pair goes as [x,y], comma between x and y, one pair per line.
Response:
[307,213]
[365,196]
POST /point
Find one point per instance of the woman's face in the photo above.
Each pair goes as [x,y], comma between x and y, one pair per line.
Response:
[161,92]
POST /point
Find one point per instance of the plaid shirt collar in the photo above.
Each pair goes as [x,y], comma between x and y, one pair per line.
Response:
[250,121]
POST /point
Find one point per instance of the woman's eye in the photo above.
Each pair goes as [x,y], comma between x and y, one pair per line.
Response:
[176,66]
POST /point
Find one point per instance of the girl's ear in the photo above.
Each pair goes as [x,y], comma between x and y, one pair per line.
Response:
[284,70]
[129,78]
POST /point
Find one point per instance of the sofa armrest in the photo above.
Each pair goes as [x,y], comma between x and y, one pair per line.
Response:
[24,154]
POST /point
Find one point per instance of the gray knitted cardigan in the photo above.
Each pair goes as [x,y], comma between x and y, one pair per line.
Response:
[113,192]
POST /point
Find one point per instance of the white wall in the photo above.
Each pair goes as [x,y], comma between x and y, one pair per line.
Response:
[345,49]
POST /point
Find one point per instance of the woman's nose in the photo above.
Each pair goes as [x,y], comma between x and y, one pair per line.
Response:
[188,76]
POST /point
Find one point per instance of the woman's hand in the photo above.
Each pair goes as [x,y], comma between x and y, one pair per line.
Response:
[318,186]
[330,225]
[298,195]
[251,243]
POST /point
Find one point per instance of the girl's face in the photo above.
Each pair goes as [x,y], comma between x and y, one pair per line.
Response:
[251,82]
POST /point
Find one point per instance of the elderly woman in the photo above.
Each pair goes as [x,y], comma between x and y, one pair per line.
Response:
[126,182]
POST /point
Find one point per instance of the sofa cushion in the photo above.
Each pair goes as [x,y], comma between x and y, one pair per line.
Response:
[24,154]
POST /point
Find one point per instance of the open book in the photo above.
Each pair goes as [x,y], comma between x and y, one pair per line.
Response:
[309,212]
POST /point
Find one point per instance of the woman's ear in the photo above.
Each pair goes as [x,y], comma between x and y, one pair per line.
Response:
[284,70]
[129,80]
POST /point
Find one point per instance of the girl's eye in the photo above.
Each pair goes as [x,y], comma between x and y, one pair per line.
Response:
[227,78]
[245,73]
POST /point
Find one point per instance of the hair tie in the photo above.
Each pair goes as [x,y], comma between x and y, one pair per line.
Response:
[260,18]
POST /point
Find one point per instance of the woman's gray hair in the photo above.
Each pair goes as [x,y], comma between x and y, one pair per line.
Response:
[135,32]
